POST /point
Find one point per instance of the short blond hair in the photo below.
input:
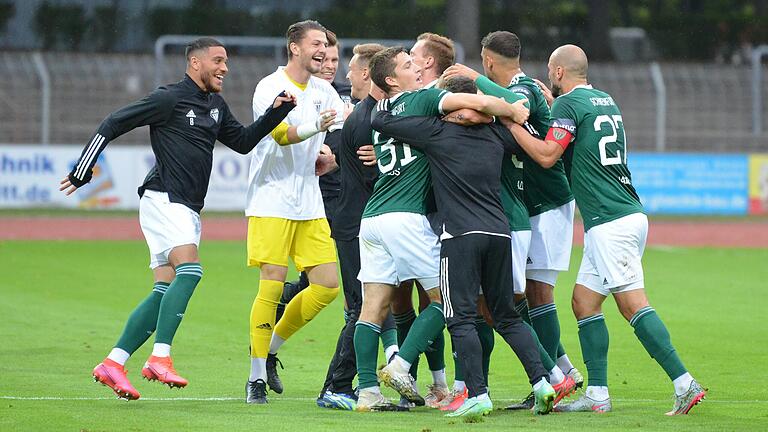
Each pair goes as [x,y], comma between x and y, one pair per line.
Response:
[439,47]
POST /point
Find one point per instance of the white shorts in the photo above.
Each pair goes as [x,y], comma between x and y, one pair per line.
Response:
[521,240]
[551,241]
[397,247]
[166,225]
[612,255]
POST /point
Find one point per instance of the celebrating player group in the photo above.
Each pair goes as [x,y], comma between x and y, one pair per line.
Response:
[425,174]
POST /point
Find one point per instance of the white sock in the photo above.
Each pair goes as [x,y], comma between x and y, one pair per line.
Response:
[276,343]
[556,376]
[258,369]
[119,356]
[481,397]
[161,350]
[374,390]
[598,393]
[459,386]
[564,363]
[682,383]
[390,351]
[438,378]
[540,384]
[402,364]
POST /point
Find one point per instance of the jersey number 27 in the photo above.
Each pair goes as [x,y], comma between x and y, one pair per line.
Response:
[613,121]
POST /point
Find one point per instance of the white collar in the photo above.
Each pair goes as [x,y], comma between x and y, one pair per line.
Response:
[584,86]
[514,78]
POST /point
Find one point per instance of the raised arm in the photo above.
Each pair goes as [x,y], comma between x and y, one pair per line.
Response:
[243,139]
[417,131]
[155,108]
[486,104]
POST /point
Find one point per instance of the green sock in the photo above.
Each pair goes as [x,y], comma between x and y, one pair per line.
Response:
[403,323]
[655,338]
[487,341]
[435,352]
[175,301]
[544,321]
[522,309]
[560,350]
[429,324]
[366,343]
[546,360]
[388,338]
[593,336]
[142,321]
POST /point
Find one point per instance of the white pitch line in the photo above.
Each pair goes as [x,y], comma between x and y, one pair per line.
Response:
[298,399]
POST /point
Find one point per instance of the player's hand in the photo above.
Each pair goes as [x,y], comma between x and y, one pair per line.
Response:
[367,155]
[547,92]
[284,98]
[519,112]
[67,186]
[461,70]
[325,162]
[325,120]
[467,117]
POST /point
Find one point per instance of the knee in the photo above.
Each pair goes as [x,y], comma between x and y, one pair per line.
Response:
[323,294]
[539,293]
[582,308]
[325,275]
[273,272]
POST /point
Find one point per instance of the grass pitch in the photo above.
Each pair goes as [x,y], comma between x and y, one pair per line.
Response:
[63,305]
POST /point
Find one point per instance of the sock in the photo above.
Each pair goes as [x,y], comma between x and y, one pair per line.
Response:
[544,321]
[402,364]
[390,351]
[522,308]
[556,376]
[438,378]
[425,329]
[366,342]
[682,383]
[481,397]
[403,323]
[275,343]
[487,341]
[539,384]
[389,343]
[161,350]
[563,362]
[263,316]
[546,360]
[118,356]
[303,308]
[593,336]
[459,386]
[258,369]
[435,352]
[598,393]
[656,341]
[141,323]
[175,300]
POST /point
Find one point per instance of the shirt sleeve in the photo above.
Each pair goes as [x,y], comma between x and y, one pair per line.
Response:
[338,105]
[243,139]
[416,131]
[429,102]
[490,88]
[562,130]
[153,109]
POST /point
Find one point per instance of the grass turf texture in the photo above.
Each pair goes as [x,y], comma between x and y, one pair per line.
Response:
[64,304]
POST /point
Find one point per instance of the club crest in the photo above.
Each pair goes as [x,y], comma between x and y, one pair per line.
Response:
[558,134]
[215,115]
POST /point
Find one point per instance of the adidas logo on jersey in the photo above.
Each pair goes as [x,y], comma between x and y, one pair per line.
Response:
[191,116]
[605,281]
[530,261]
[265,326]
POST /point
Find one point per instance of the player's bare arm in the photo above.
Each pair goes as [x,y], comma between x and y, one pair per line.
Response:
[545,152]
[467,117]
[488,105]
[299,133]
[459,69]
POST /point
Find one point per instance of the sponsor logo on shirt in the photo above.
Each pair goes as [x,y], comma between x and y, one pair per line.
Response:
[566,124]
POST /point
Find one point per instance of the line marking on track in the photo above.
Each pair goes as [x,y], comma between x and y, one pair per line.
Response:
[299,399]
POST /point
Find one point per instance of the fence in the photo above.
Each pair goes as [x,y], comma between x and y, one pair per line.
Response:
[709,107]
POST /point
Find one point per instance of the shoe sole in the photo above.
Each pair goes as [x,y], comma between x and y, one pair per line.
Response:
[482,413]
[407,393]
[108,382]
[518,407]
[151,375]
[695,401]
[382,408]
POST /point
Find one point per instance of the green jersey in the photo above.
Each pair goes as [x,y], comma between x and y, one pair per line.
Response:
[545,189]
[404,179]
[596,158]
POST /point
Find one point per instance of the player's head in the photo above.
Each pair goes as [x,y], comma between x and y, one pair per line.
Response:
[306,44]
[207,63]
[567,67]
[393,71]
[433,54]
[359,74]
[501,51]
[331,60]
[458,84]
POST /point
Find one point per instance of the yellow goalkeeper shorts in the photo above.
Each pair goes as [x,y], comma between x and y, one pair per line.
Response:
[273,240]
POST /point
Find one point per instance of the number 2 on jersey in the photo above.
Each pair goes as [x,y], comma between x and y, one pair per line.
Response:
[613,121]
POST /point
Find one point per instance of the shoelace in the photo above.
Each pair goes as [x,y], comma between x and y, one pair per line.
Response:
[278,362]
[252,386]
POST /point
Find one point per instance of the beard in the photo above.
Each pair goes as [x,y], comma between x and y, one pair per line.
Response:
[556,89]
[207,78]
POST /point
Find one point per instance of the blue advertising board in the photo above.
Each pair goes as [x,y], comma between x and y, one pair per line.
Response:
[691,183]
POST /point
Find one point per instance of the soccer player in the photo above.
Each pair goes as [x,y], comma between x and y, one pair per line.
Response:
[397,243]
[588,130]
[357,181]
[466,165]
[286,218]
[542,243]
[185,120]
[329,182]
